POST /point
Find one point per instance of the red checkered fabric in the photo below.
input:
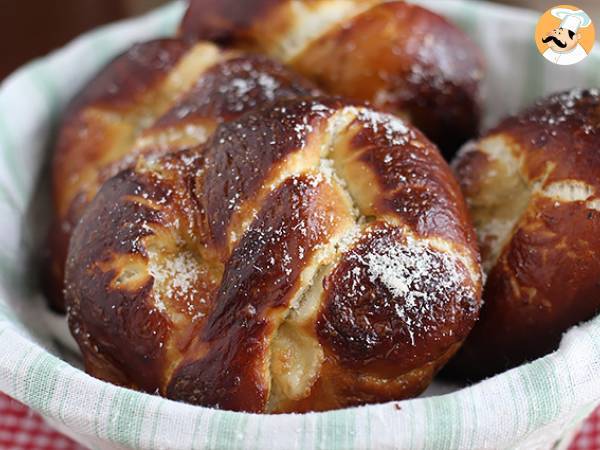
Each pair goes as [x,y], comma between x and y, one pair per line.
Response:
[588,437]
[21,429]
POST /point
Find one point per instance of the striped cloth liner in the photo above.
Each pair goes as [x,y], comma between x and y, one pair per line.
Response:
[532,406]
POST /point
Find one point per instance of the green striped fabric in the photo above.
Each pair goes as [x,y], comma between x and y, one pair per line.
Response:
[532,406]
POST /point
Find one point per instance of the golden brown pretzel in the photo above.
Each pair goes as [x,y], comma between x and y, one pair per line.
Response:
[159,96]
[533,187]
[316,254]
[398,56]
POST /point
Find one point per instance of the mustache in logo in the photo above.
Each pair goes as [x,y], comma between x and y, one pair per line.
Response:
[556,41]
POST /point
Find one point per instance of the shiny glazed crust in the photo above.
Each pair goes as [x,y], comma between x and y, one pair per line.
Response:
[533,187]
[158,97]
[315,254]
[396,55]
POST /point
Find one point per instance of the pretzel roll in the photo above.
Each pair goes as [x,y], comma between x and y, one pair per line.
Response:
[317,254]
[533,187]
[398,56]
[158,97]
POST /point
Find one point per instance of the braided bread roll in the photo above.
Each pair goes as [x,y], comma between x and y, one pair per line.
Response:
[398,56]
[316,254]
[158,97]
[533,187]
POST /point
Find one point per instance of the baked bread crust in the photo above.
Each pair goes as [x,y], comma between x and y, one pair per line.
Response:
[396,55]
[533,187]
[315,254]
[157,97]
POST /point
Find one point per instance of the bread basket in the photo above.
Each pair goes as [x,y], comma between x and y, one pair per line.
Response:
[532,406]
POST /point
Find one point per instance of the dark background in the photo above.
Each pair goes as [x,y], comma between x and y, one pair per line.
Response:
[31,28]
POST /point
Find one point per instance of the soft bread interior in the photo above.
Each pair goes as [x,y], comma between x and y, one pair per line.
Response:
[311,19]
[502,197]
[296,354]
